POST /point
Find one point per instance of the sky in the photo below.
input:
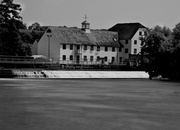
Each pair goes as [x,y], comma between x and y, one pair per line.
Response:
[102,14]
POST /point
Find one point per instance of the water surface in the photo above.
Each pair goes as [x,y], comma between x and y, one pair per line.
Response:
[124,104]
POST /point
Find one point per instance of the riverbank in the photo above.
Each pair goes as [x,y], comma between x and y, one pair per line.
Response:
[71,74]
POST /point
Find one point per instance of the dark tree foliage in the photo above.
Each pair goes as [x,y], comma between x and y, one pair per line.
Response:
[36,35]
[176,35]
[164,30]
[10,23]
[176,43]
[9,10]
[37,27]
[161,56]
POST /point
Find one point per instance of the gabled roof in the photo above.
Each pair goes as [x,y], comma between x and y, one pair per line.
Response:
[126,30]
[77,36]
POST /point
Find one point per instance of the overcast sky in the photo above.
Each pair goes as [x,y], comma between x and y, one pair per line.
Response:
[102,14]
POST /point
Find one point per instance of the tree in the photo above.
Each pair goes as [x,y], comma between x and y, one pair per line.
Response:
[164,30]
[10,23]
[176,43]
[9,10]
[176,34]
[34,26]
[157,51]
[37,27]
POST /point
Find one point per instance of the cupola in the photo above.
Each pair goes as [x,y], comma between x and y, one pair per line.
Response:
[86,25]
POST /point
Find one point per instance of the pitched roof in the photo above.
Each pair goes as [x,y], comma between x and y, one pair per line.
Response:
[126,30]
[75,35]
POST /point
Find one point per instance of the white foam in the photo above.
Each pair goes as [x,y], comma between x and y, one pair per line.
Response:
[80,74]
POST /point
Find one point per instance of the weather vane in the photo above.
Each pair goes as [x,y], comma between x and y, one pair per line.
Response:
[85,18]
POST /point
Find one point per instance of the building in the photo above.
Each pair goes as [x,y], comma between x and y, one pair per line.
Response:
[87,46]
[130,37]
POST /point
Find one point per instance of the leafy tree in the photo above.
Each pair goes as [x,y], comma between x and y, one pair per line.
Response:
[36,31]
[176,34]
[158,53]
[176,43]
[36,35]
[37,27]
[34,26]
[10,23]
[164,30]
[9,10]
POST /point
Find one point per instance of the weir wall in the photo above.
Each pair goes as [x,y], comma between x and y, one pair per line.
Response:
[72,74]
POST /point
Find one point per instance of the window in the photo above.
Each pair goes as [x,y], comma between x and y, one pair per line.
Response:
[91,58]
[64,46]
[71,47]
[85,47]
[113,59]
[105,58]
[135,41]
[120,59]
[78,47]
[98,48]
[71,57]
[142,43]
[127,41]
[126,50]
[140,33]
[64,57]
[87,26]
[113,49]
[106,48]
[85,58]
[145,33]
[98,58]
[92,48]
[135,51]
[120,49]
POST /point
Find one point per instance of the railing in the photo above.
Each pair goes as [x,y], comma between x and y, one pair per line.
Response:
[13,60]
[57,61]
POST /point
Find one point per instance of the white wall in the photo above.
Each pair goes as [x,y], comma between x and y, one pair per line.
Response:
[54,46]
[102,53]
[34,48]
[131,46]
[136,37]
[125,56]
[66,52]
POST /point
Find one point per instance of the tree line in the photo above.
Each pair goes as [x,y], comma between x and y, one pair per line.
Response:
[160,51]
[13,39]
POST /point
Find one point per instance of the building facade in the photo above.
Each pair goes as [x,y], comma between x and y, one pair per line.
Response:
[130,37]
[86,46]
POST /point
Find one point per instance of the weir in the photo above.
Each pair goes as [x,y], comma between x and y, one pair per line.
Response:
[78,74]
